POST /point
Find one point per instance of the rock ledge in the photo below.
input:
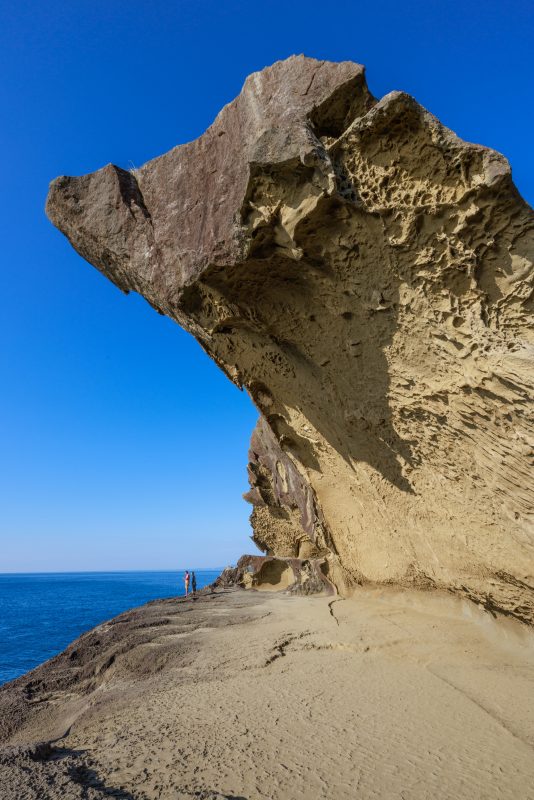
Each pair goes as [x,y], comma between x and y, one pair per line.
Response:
[367,276]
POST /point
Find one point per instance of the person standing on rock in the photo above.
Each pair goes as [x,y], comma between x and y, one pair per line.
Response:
[186,581]
[193,582]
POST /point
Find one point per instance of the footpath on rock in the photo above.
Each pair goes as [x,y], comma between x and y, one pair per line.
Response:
[268,696]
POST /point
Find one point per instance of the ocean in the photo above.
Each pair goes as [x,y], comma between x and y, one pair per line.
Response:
[40,614]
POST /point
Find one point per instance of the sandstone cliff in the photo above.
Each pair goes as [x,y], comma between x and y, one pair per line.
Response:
[367,277]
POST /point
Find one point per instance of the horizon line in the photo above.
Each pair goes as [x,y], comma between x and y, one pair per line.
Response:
[106,571]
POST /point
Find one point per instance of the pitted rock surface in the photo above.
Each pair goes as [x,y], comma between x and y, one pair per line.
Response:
[367,276]
[294,575]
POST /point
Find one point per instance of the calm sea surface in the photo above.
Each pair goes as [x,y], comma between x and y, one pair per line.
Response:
[40,614]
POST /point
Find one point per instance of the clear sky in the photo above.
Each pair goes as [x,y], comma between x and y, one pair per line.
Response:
[121,445]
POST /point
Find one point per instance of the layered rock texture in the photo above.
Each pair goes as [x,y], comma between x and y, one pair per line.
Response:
[367,276]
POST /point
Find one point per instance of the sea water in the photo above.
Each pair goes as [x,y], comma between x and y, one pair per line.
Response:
[40,614]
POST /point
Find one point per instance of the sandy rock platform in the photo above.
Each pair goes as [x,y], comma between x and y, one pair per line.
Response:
[256,696]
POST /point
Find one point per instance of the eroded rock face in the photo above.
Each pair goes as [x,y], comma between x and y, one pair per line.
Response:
[293,575]
[367,277]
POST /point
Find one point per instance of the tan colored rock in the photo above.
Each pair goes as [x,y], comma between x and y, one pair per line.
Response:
[272,573]
[367,276]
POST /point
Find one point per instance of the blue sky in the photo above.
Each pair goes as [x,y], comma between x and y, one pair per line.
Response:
[121,445]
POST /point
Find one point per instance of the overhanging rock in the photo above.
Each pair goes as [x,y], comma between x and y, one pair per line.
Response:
[367,277]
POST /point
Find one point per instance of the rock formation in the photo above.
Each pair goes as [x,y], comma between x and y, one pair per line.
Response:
[294,575]
[367,276]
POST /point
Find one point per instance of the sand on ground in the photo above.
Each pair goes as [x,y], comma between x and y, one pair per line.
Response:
[263,696]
